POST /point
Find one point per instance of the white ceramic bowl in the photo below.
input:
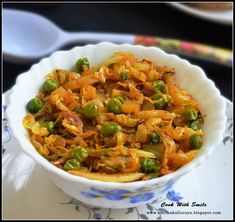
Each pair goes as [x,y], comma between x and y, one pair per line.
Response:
[110,194]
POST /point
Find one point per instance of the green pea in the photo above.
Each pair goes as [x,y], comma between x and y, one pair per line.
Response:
[114,105]
[159,86]
[195,141]
[72,164]
[124,76]
[49,125]
[195,125]
[155,138]
[160,101]
[50,85]
[110,128]
[34,105]
[79,153]
[150,166]
[90,110]
[82,62]
[190,114]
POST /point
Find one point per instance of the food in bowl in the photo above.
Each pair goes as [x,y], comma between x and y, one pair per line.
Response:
[123,121]
[113,194]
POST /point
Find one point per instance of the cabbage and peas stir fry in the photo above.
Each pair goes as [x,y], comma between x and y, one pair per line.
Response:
[123,121]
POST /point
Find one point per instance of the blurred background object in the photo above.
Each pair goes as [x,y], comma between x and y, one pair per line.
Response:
[221,13]
[43,37]
[214,6]
[139,19]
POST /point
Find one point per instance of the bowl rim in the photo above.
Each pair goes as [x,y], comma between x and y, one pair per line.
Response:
[68,177]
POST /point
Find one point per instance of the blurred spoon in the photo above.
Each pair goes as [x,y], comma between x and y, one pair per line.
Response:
[28,36]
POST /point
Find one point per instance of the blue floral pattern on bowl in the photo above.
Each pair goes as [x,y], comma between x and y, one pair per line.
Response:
[6,135]
[140,195]
[173,196]
[119,194]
